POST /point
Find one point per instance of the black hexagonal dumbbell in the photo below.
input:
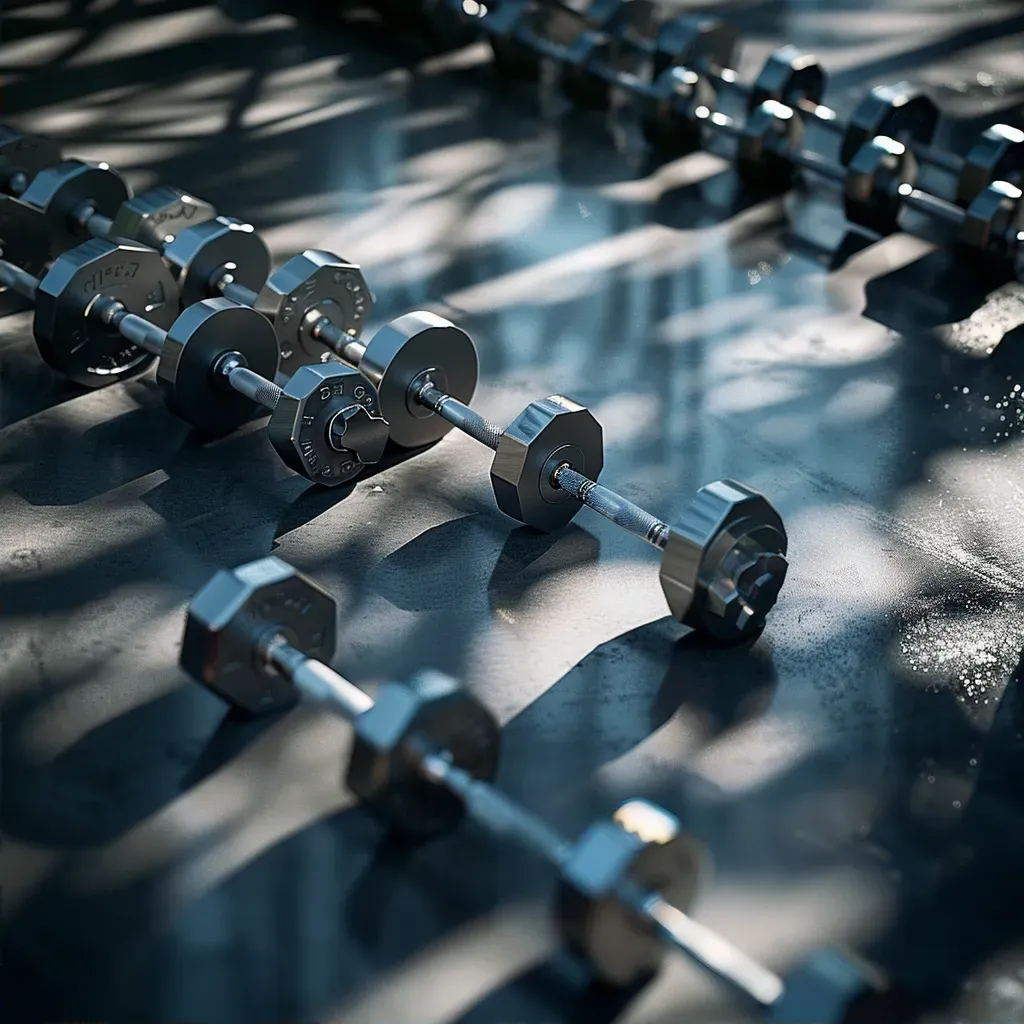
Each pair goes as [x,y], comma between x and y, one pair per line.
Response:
[22,156]
[81,200]
[425,754]
[546,463]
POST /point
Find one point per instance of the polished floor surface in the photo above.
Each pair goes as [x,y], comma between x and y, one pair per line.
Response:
[856,773]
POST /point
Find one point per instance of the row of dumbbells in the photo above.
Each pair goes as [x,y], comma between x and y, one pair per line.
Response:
[425,755]
[673,70]
[105,309]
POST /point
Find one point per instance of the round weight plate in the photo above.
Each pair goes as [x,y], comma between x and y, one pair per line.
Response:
[24,154]
[222,243]
[79,345]
[313,280]
[204,332]
[23,235]
[59,191]
[404,349]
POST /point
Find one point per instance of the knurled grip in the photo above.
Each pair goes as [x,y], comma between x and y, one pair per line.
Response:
[612,506]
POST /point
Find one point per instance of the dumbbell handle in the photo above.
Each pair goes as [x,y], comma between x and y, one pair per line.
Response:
[225,283]
[97,224]
[601,499]
[18,280]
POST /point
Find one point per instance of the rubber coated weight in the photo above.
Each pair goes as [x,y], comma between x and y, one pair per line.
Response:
[200,252]
[407,350]
[998,155]
[604,38]
[991,226]
[327,424]
[788,76]
[546,434]
[228,618]
[158,215]
[696,42]
[23,236]
[80,346]
[24,155]
[314,280]
[668,111]
[902,111]
[871,195]
[724,562]
[432,710]
[61,190]
[644,847]
[196,341]
[771,131]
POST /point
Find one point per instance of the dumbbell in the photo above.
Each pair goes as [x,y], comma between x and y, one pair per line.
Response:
[312,288]
[425,755]
[79,200]
[722,564]
[22,157]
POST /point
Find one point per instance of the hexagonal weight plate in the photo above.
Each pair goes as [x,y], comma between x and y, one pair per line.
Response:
[546,434]
[157,216]
[695,41]
[25,154]
[871,197]
[991,225]
[238,607]
[304,426]
[200,253]
[430,712]
[788,77]
[59,191]
[771,131]
[642,847]
[196,341]
[80,346]
[902,111]
[319,281]
[724,530]
[998,155]
[24,238]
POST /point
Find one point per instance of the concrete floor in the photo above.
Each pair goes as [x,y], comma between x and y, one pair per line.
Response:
[855,773]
